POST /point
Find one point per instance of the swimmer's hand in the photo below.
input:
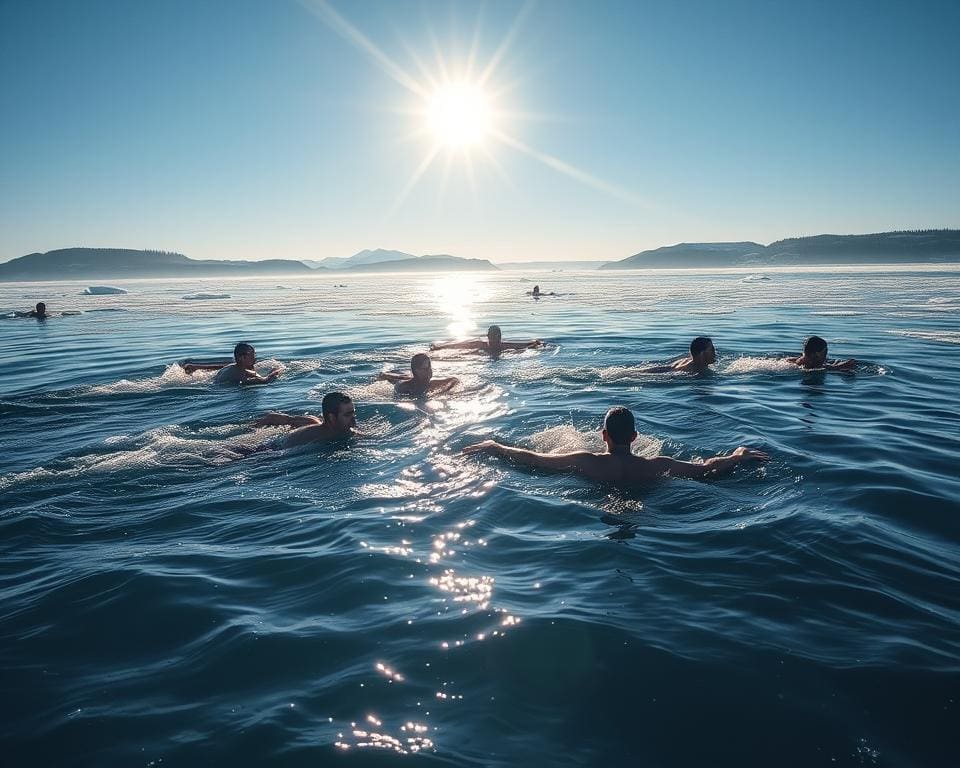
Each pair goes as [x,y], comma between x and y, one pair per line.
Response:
[846,365]
[272,419]
[189,368]
[485,446]
[275,373]
[746,454]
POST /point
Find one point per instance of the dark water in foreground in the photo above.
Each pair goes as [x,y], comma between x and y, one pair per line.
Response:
[166,601]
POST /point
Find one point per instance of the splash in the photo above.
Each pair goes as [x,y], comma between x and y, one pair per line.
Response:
[567,439]
[760,365]
[173,376]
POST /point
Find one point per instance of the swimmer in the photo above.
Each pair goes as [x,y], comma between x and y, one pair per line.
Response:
[494,343]
[814,357]
[420,380]
[702,356]
[40,312]
[240,371]
[338,422]
[618,464]
[536,293]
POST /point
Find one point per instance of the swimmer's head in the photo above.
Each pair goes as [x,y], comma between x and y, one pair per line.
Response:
[703,351]
[420,366]
[338,411]
[41,308]
[244,353]
[494,334]
[619,428]
[815,350]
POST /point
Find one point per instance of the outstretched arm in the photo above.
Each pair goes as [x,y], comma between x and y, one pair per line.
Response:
[655,369]
[715,467]
[393,377]
[189,367]
[845,365]
[256,378]
[468,344]
[444,385]
[530,458]
[277,419]
[521,344]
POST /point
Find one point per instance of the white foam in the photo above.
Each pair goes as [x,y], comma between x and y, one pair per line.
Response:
[947,337]
[837,313]
[173,376]
[101,290]
[759,364]
[567,439]
[166,447]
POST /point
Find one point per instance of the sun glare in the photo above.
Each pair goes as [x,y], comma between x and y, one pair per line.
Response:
[459,115]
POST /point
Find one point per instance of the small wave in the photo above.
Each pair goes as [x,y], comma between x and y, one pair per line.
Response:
[837,313]
[107,309]
[101,290]
[712,311]
[567,438]
[759,365]
[173,376]
[205,296]
[946,337]
[167,447]
[754,278]
[943,300]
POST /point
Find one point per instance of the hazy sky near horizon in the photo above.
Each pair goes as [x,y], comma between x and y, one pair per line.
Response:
[286,129]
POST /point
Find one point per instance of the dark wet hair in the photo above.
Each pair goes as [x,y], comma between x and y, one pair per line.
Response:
[242,349]
[418,360]
[332,402]
[41,306]
[814,345]
[700,344]
[620,425]
[495,330]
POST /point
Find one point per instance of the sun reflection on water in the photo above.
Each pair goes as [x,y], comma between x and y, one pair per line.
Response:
[454,295]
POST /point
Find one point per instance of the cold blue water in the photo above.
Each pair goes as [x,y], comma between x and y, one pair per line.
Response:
[170,598]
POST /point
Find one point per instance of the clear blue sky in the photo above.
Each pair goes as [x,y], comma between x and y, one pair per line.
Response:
[262,129]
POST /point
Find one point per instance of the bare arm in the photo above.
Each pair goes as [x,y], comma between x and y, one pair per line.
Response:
[256,378]
[277,419]
[531,458]
[468,344]
[655,369]
[715,467]
[444,385]
[393,377]
[845,365]
[521,344]
[189,367]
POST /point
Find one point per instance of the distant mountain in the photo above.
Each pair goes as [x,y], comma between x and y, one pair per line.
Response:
[550,266]
[361,259]
[117,263]
[935,245]
[438,263]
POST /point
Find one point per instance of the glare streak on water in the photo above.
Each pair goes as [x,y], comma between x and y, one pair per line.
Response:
[175,589]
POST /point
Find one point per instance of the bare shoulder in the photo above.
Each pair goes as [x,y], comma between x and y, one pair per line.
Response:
[312,433]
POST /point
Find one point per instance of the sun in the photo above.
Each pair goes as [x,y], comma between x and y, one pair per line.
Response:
[459,115]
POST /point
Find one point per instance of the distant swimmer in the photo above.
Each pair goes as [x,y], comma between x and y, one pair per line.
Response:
[814,357]
[39,312]
[240,371]
[618,464]
[339,421]
[420,380]
[494,343]
[536,293]
[702,356]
